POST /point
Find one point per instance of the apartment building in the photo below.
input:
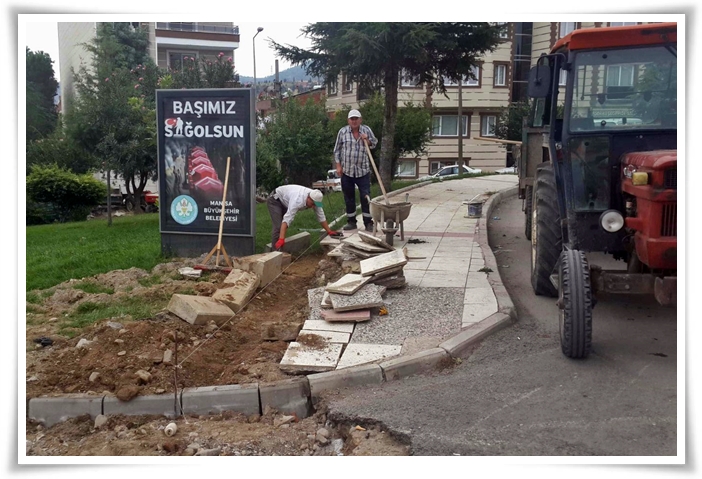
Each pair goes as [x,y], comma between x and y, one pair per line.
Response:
[169,43]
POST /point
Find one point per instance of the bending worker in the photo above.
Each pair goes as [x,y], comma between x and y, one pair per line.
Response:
[353,167]
[284,204]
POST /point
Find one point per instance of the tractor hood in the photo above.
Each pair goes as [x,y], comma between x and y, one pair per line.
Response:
[654,160]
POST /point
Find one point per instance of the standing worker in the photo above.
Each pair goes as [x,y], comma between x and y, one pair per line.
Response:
[353,167]
[284,204]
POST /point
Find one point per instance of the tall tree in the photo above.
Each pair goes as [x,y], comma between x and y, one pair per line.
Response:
[41,90]
[375,54]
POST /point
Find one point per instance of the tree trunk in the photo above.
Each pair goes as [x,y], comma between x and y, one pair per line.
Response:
[134,192]
[389,120]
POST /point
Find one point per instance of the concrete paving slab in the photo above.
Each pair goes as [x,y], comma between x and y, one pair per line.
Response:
[477,280]
[472,313]
[374,240]
[369,296]
[382,262]
[479,295]
[439,279]
[299,358]
[241,398]
[358,354]
[418,265]
[315,296]
[357,316]
[199,310]
[326,336]
[355,241]
[347,284]
[418,344]
[414,277]
[321,325]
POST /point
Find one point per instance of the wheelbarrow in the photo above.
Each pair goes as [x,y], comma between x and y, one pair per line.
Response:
[388,217]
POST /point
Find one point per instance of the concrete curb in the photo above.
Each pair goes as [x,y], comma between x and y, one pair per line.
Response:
[297,395]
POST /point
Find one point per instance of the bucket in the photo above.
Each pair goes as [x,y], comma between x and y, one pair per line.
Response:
[475,209]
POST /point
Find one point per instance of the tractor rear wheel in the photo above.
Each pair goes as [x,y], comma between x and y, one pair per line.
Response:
[528,199]
[574,304]
[546,239]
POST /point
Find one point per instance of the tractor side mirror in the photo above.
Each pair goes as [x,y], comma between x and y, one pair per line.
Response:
[539,81]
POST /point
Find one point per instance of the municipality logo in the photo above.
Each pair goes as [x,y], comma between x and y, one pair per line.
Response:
[184,210]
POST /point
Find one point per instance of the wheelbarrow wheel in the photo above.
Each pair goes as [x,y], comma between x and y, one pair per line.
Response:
[574,304]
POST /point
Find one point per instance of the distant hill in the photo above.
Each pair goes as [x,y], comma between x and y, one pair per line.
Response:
[294,73]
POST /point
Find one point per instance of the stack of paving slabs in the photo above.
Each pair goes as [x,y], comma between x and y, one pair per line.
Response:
[359,247]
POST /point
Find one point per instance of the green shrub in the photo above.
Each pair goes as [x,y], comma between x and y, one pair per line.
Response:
[56,194]
[63,152]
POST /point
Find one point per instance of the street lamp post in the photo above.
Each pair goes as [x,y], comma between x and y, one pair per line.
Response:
[258,30]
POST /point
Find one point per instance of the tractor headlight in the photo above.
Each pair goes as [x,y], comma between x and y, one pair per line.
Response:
[612,221]
[639,178]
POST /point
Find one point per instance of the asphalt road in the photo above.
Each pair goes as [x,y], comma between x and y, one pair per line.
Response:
[518,395]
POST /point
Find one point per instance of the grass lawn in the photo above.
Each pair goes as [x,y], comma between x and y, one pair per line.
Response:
[59,252]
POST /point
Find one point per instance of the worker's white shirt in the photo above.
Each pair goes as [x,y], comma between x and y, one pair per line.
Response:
[294,198]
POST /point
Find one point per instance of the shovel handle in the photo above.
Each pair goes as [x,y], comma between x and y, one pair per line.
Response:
[377,175]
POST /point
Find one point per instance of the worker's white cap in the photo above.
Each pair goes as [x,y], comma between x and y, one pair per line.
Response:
[317,196]
[354,114]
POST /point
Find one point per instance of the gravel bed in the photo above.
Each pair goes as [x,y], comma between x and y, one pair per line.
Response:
[413,312]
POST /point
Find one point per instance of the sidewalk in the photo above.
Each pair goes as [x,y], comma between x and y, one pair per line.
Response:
[446,290]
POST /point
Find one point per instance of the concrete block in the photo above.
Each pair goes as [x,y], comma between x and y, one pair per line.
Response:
[300,358]
[266,265]
[240,293]
[326,336]
[415,364]
[287,396]
[356,354]
[162,404]
[460,343]
[346,378]
[58,409]
[295,244]
[241,398]
[350,316]
[199,309]
[286,260]
[236,276]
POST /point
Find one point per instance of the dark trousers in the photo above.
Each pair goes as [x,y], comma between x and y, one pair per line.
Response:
[277,210]
[348,186]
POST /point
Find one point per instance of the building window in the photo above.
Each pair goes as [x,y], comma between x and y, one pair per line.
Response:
[332,87]
[500,76]
[562,78]
[347,83]
[467,81]
[408,80]
[566,28]
[176,59]
[447,125]
[620,75]
[487,125]
[435,166]
[406,169]
[621,24]
[504,32]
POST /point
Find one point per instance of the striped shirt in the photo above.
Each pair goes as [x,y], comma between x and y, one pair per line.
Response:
[294,198]
[351,153]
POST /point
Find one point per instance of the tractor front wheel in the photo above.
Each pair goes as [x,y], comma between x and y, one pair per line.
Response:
[528,202]
[574,304]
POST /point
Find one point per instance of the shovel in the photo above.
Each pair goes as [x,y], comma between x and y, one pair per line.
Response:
[377,175]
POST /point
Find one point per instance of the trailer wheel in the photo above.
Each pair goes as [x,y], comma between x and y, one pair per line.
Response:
[546,240]
[528,199]
[574,305]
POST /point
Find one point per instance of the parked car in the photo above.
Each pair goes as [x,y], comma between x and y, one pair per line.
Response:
[510,170]
[451,171]
[332,183]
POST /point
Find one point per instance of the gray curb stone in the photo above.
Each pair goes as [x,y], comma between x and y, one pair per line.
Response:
[241,398]
[57,409]
[504,302]
[413,364]
[462,342]
[345,378]
[287,396]
[162,404]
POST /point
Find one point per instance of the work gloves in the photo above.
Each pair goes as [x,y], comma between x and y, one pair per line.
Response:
[279,244]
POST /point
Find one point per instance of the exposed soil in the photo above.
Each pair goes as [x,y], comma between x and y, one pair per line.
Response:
[127,359]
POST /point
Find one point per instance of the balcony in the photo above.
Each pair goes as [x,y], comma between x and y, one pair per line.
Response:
[196,27]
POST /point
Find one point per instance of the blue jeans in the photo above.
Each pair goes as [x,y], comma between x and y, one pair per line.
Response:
[348,186]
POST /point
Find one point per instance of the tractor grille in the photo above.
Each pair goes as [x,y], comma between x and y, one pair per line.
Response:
[670,180]
[669,225]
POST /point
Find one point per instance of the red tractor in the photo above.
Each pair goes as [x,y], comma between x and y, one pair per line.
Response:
[598,170]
